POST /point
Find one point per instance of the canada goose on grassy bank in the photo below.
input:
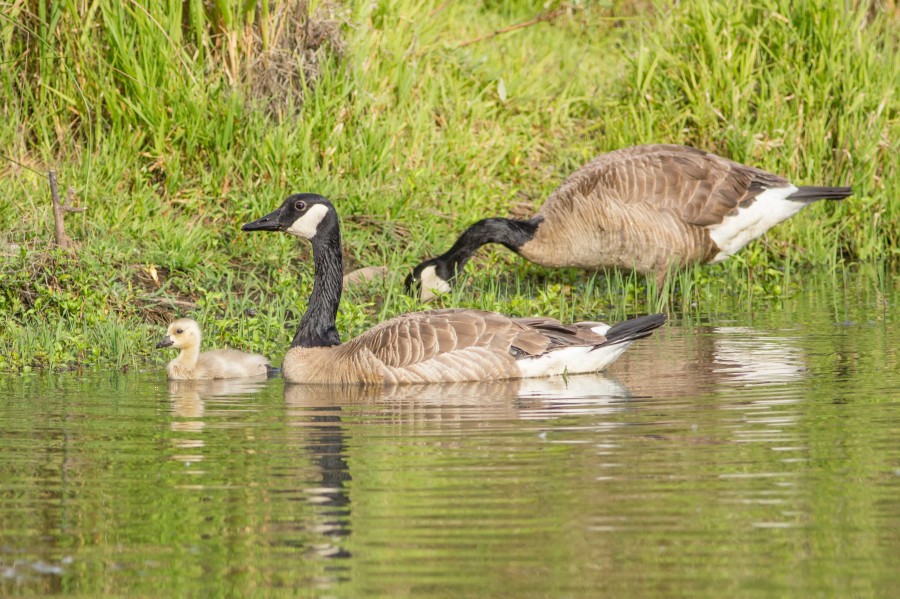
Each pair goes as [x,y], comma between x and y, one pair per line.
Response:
[644,208]
[428,347]
[184,334]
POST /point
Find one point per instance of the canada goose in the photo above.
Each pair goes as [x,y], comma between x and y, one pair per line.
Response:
[428,347]
[644,208]
[190,364]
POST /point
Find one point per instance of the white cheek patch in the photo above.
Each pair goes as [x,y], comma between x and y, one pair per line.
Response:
[307,225]
[431,282]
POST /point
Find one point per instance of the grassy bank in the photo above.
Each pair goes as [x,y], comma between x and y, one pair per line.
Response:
[174,128]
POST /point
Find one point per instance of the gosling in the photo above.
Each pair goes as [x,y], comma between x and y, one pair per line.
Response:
[191,365]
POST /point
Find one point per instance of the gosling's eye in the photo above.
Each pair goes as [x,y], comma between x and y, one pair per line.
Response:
[300,206]
[179,331]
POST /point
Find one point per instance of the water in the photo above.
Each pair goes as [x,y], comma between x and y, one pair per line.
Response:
[753,455]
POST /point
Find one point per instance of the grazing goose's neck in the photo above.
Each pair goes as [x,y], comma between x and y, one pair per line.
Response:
[317,328]
[511,233]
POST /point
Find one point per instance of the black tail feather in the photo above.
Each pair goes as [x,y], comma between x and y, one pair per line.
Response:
[636,328]
[272,372]
[812,192]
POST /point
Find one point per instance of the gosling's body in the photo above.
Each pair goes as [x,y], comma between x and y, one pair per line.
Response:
[191,364]
[429,347]
[216,364]
[645,208]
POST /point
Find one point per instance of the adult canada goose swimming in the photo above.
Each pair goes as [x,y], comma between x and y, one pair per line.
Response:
[428,347]
[184,334]
[644,208]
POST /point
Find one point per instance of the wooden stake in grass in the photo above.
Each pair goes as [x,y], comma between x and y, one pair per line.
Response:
[60,209]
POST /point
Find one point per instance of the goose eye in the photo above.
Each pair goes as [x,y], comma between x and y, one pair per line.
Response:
[300,206]
[179,331]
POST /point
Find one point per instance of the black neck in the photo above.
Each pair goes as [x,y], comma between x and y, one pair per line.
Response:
[508,232]
[317,328]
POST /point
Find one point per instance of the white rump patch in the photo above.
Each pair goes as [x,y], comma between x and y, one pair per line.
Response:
[571,360]
[770,208]
[601,328]
[431,282]
[307,225]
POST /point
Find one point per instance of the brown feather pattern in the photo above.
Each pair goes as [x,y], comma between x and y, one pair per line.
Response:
[437,346]
[643,207]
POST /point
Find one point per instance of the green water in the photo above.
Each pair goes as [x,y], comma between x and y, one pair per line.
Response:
[744,455]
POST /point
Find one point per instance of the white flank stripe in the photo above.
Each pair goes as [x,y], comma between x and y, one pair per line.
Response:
[571,360]
[307,225]
[601,328]
[769,209]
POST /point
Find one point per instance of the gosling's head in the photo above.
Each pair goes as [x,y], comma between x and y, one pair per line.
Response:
[181,334]
[306,215]
[429,278]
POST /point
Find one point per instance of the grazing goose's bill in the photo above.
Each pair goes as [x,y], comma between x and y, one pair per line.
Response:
[645,208]
[190,365]
[428,347]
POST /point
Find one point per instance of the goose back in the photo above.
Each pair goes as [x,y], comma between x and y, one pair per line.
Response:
[644,207]
[447,346]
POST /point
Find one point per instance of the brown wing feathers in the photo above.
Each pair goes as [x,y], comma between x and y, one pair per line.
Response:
[425,336]
[700,187]
[554,334]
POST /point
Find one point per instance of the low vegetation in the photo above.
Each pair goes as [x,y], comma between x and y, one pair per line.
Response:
[176,122]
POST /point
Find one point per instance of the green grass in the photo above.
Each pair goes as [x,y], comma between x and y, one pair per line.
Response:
[176,128]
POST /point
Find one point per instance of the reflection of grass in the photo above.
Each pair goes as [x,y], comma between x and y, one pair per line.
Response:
[157,122]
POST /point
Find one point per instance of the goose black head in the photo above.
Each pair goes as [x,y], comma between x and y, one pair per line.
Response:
[302,214]
[433,275]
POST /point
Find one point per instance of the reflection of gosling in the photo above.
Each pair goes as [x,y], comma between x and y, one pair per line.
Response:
[190,364]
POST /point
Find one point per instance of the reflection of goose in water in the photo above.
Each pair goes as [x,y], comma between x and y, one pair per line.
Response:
[688,362]
[478,401]
[325,416]
[320,413]
[188,403]
[748,356]
[187,396]
[577,395]
[325,443]
[211,389]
